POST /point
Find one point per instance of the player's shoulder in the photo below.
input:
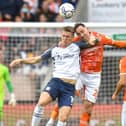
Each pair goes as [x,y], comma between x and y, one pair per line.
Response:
[102,37]
[97,34]
[73,47]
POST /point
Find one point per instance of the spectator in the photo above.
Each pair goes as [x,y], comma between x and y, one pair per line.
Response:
[25,13]
[33,4]
[42,18]
[7,17]
[18,19]
[10,7]
[44,9]
[59,18]
[53,6]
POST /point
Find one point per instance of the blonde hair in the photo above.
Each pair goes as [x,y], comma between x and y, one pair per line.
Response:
[69,29]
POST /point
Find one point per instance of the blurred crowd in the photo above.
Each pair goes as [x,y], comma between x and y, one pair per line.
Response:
[15,46]
[28,46]
[32,10]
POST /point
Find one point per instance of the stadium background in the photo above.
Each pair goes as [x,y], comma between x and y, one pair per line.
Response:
[25,40]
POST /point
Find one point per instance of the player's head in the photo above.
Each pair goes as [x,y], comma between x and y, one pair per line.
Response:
[67,35]
[82,31]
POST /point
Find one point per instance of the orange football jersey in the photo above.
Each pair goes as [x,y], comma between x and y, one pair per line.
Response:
[123,70]
[92,58]
[123,65]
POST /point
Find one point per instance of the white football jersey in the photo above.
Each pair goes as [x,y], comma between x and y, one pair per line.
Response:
[66,62]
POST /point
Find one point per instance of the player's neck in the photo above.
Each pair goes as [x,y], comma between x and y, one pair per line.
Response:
[67,44]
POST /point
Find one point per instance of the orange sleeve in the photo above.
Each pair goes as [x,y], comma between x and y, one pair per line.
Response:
[122,66]
[121,44]
[106,40]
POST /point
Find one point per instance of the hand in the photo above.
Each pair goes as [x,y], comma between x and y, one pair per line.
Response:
[114,97]
[12,100]
[93,40]
[15,62]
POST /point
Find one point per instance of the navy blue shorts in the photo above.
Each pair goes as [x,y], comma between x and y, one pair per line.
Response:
[65,92]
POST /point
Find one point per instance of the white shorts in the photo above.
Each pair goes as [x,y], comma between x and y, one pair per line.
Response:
[90,82]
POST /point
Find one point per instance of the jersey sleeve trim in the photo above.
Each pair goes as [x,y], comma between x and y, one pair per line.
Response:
[46,54]
[82,44]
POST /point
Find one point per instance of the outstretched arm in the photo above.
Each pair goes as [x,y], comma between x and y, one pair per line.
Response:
[92,41]
[9,84]
[84,44]
[108,41]
[31,60]
[8,80]
[120,85]
[120,44]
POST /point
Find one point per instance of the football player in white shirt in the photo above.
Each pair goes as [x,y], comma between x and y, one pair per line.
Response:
[65,74]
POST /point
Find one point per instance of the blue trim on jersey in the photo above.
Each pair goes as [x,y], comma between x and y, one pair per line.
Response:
[83,44]
[47,54]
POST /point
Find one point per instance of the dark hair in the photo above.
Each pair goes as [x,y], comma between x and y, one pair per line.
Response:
[69,29]
[77,25]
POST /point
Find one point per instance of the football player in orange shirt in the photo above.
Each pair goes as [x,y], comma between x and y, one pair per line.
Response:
[120,85]
[91,66]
